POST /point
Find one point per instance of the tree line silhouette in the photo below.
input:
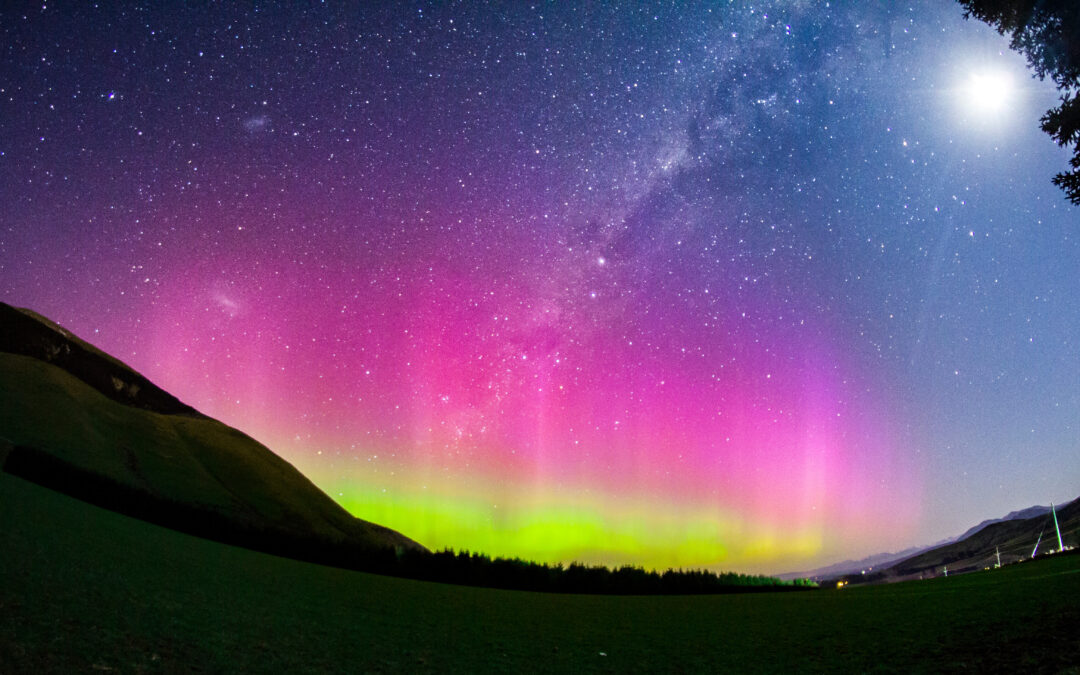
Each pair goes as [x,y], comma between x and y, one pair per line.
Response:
[476,569]
[447,566]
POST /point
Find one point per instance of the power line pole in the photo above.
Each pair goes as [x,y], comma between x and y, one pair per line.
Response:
[1058,529]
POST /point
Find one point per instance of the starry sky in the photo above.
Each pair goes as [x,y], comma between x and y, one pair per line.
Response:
[747,285]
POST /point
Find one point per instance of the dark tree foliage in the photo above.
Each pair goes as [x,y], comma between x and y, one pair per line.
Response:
[1047,32]
[476,569]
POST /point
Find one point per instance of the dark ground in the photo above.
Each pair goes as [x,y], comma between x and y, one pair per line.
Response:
[83,589]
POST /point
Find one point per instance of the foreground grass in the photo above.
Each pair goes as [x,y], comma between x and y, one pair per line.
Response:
[85,589]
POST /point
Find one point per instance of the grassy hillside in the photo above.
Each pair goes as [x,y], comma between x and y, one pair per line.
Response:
[27,333]
[194,469]
[86,589]
[80,421]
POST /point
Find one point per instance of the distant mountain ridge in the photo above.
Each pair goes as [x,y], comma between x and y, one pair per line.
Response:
[1022,514]
[1010,539]
[854,566]
[80,421]
[881,561]
[1014,540]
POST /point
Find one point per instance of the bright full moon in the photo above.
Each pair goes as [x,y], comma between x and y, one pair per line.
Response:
[988,92]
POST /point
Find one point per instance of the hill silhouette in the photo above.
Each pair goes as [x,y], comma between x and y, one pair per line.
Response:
[1014,538]
[1022,514]
[881,561]
[77,420]
[27,333]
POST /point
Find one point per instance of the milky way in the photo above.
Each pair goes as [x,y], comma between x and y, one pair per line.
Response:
[749,286]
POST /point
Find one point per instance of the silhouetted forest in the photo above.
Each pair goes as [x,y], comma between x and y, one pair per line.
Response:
[477,569]
[460,567]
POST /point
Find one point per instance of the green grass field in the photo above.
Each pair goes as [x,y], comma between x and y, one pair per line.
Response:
[84,589]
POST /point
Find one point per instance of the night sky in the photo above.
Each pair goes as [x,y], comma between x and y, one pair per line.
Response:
[752,286]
